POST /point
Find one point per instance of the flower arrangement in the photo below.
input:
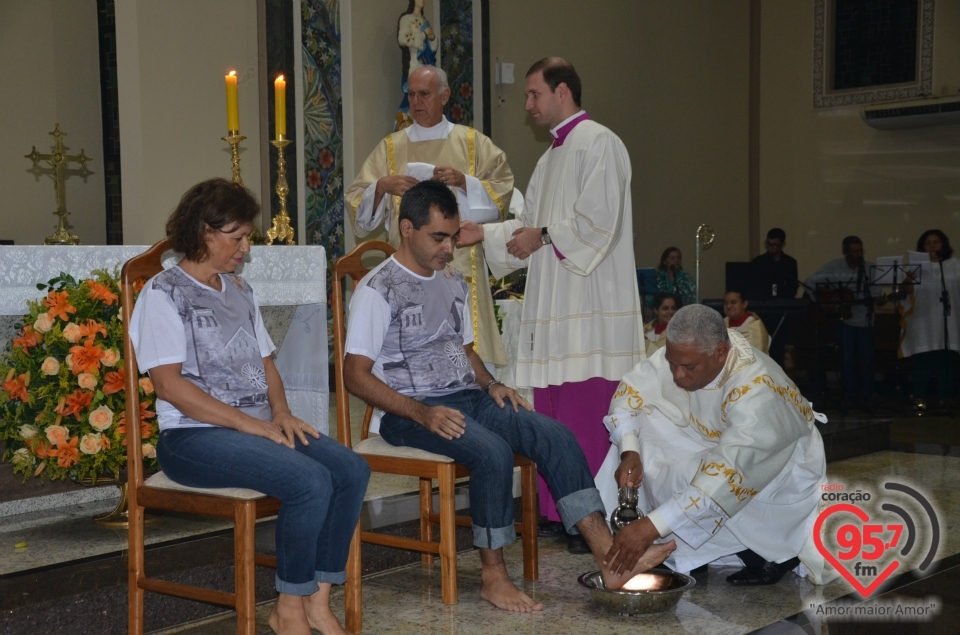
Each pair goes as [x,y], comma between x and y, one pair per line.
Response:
[62,397]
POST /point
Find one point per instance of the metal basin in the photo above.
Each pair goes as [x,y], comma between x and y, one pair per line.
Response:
[662,590]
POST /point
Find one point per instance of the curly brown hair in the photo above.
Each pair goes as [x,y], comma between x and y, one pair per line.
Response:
[209,205]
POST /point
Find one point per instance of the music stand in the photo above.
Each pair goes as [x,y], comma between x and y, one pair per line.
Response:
[894,274]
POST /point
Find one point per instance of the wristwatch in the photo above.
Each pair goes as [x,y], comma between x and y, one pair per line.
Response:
[545,237]
[491,383]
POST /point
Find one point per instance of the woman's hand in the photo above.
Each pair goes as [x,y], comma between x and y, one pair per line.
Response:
[294,427]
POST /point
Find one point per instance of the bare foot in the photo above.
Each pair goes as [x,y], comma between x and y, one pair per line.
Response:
[497,588]
[652,557]
[319,615]
[504,594]
[288,619]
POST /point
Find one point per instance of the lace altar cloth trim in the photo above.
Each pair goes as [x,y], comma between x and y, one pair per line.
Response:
[278,275]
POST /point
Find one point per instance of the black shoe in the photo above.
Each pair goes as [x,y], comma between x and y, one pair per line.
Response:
[760,575]
[577,544]
[550,529]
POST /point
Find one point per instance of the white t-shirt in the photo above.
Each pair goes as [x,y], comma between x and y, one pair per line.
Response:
[218,337]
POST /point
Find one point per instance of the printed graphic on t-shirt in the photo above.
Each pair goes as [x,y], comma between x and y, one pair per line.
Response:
[422,353]
[223,356]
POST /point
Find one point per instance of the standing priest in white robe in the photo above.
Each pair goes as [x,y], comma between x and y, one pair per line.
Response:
[581,326]
[725,451]
[460,157]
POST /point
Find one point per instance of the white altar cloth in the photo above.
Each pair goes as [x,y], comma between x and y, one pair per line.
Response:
[280,276]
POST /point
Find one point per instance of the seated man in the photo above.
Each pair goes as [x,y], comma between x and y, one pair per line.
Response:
[746,323]
[725,452]
[409,353]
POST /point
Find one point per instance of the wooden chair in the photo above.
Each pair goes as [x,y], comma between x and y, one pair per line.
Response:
[386,458]
[158,492]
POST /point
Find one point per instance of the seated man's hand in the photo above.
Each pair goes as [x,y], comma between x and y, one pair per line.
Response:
[500,393]
[633,551]
[470,233]
[294,427]
[446,422]
[630,472]
[395,185]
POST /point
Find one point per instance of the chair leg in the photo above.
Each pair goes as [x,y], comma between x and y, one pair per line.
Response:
[448,533]
[135,572]
[528,492]
[426,510]
[353,589]
[244,551]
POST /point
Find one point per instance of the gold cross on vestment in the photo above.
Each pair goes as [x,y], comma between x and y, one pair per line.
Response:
[718,522]
[693,503]
[58,161]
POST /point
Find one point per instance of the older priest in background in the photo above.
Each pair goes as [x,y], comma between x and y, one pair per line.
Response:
[459,157]
[725,451]
[581,326]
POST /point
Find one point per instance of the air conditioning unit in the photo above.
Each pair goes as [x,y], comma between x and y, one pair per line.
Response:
[920,113]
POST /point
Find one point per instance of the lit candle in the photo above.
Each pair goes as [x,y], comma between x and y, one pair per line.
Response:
[233,109]
[280,106]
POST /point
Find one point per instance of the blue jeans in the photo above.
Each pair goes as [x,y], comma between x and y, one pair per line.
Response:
[856,346]
[491,437]
[321,487]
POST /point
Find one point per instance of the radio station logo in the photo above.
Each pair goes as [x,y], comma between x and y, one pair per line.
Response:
[867,546]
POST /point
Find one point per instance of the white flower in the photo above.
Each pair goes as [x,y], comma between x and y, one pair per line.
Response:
[28,431]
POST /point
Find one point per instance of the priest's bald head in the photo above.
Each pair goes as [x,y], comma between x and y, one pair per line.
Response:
[697,346]
[553,91]
[428,91]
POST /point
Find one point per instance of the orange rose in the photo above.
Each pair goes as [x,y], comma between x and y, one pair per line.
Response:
[50,366]
[110,357]
[87,381]
[71,333]
[149,452]
[101,418]
[44,323]
[57,435]
[90,443]
[147,385]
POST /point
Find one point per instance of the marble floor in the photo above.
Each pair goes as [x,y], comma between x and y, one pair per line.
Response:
[64,548]
[406,600]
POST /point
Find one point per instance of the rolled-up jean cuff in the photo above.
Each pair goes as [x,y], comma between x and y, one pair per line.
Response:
[576,506]
[487,538]
[297,588]
[337,577]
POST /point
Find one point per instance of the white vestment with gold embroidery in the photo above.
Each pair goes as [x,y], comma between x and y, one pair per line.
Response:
[736,465]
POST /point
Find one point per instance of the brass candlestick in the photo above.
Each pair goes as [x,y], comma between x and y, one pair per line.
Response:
[281,228]
[234,138]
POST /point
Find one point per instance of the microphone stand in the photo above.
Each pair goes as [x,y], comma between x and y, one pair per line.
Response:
[945,301]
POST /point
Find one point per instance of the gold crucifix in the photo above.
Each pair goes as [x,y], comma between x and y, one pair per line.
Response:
[693,503]
[58,160]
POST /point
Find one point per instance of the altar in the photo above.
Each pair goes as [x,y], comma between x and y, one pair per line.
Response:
[289,284]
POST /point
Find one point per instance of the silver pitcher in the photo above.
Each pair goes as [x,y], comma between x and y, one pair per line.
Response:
[626,512]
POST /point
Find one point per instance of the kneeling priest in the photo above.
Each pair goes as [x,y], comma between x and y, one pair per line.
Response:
[725,452]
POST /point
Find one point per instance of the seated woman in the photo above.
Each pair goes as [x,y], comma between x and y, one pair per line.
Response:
[664,306]
[747,324]
[224,419]
[671,278]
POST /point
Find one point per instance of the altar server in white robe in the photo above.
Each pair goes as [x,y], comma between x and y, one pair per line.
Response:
[725,451]
[581,325]
[466,161]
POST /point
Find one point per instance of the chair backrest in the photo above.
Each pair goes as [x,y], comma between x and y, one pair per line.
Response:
[349,266]
[142,267]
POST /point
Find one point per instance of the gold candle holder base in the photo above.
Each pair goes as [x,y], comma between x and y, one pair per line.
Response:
[281,229]
[234,138]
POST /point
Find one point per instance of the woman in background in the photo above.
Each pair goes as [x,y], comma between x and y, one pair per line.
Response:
[654,331]
[922,336]
[671,278]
